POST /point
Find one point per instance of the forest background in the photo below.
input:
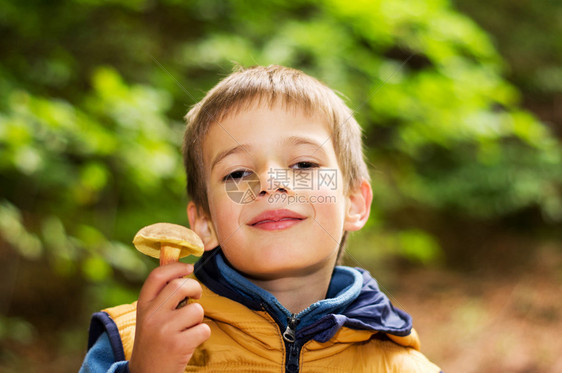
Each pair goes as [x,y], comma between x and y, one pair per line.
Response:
[461,106]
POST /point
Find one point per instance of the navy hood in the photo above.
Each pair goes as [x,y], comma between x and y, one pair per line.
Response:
[371,310]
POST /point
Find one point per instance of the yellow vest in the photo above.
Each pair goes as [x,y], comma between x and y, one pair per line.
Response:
[251,341]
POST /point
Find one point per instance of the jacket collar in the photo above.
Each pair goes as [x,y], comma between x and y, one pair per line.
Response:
[354,301]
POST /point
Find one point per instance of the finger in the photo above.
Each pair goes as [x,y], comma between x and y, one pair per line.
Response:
[196,335]
[160,277]
[189,316]
[175,291]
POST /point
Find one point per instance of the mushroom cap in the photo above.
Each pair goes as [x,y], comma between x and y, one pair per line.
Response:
[149,239]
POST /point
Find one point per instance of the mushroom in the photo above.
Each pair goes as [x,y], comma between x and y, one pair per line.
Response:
[168,242]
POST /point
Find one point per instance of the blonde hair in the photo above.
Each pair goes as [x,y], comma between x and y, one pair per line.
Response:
[271,85]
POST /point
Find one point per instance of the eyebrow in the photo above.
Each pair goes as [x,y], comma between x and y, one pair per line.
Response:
[298,140]
[293,140]
[225,153]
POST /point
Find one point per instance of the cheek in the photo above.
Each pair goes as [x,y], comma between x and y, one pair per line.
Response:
[225,214]
[332,195]
[331,201]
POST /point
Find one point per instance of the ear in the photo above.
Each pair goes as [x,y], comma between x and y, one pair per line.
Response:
[358,207]
[201,224]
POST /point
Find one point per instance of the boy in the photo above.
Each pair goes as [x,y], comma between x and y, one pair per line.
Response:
[277,178]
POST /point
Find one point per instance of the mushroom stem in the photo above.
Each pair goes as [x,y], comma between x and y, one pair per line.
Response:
[169,253]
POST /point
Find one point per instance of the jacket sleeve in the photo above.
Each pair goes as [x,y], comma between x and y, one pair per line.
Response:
[100,358]
[105,350]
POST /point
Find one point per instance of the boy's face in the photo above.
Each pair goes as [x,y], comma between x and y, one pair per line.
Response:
[293,222]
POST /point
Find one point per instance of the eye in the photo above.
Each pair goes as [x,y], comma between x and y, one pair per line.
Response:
[305,165]
[238,174]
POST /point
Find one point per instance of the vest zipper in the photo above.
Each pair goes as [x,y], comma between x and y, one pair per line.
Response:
[292,348]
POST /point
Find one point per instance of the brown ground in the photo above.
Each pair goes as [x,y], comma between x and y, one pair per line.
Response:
[489,322]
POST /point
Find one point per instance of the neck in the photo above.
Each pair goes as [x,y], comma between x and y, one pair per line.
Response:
[298,292]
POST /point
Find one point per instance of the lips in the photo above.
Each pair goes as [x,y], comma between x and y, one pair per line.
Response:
[276,219]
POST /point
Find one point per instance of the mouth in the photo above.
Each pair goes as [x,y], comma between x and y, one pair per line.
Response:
[276,220]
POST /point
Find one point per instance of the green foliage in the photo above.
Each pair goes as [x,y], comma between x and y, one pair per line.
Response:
[532,47]
[97,161]
[440,121]
[93,94]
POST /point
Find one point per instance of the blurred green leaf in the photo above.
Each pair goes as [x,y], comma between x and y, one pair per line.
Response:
[418,246]
[96,269]
[14,232]
[16,329]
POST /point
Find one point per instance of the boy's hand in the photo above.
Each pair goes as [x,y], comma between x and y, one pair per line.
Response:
[166,337]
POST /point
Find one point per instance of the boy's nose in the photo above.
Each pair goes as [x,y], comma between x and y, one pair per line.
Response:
[275,179]
[280,188]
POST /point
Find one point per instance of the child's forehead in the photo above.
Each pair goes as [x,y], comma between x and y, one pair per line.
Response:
[293,125]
